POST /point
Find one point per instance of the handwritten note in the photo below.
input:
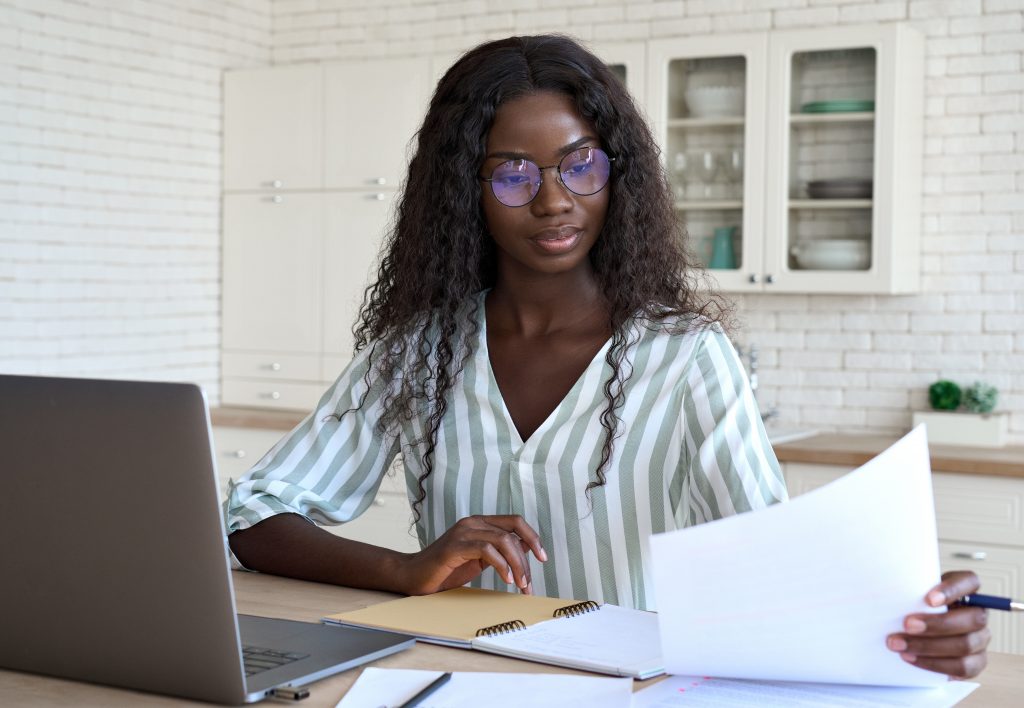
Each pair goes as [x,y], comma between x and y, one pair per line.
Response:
[808,590]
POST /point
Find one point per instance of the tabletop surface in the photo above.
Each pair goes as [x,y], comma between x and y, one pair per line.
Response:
[1001,684]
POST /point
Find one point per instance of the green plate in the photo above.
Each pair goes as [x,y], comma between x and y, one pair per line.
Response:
[837,106]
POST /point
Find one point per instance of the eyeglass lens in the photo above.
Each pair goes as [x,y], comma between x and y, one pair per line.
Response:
[583,172]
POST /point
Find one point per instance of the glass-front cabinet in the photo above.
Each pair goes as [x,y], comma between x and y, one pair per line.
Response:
[795,157]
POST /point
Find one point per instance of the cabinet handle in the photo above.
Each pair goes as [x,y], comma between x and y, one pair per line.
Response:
[971,555]
[769,278]
[379,197]
[276,183]
[273,395]
[377,501]
[276,199]
[274,366]
[239,454]
[753,278]
[380,180]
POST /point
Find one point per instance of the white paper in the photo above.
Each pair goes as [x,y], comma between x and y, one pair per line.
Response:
[612,640]
[698,692]
[392,687]
[807,590]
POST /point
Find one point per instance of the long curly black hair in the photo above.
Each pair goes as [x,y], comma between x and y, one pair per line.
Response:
[438,252]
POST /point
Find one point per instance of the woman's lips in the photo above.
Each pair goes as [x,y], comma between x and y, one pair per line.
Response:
[557,240]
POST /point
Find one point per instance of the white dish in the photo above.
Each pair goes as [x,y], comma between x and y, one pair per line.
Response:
[833,254]
[706,101]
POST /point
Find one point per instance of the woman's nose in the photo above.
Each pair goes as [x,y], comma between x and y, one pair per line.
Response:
[553,197]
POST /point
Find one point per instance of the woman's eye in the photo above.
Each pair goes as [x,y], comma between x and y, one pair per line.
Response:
[580,168]
[513,180]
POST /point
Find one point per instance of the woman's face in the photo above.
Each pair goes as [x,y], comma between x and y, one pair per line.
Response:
[553,233]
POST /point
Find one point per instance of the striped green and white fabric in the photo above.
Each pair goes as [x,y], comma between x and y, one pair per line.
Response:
[692,449]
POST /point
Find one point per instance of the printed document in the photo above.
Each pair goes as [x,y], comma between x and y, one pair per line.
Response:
[807,590]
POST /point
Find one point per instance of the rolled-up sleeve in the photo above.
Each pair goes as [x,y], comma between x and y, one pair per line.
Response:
[329,468]
[729,466]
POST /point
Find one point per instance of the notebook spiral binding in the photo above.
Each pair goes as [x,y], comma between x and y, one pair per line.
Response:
[501,628]
[578,609]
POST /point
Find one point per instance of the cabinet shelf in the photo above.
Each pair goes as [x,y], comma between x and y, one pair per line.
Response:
[830,203]
[710,205]
[801,119]
[718,122]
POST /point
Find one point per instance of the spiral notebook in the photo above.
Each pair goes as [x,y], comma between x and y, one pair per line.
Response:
[579,635]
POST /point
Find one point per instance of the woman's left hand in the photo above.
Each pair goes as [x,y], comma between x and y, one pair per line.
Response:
[953,642]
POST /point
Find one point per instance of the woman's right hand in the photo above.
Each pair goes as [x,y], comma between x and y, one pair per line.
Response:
[466,549]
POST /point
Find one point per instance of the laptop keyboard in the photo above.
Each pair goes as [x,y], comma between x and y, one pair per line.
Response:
[257,659]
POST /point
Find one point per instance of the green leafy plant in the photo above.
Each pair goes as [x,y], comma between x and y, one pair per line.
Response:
[944,395]
[980,397]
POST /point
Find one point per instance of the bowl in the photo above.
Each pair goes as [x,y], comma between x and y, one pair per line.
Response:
[848,188]
[706,101]
[833,254]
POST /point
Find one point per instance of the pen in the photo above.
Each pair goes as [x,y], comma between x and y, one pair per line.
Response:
[433,686]
[992,602]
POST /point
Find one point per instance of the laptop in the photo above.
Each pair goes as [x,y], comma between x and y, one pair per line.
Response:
[113,562]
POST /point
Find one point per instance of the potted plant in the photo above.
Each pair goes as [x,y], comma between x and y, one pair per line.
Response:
[976,424]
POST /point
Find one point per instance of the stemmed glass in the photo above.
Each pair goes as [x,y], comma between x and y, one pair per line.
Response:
[679,173]
[733,168]
[707,166]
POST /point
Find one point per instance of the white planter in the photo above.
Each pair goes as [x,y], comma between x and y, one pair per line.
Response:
[977,429]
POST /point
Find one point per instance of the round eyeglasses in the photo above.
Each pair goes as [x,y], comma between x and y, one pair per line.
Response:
[583,172]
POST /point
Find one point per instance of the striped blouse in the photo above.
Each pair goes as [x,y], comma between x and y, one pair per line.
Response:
[692,449]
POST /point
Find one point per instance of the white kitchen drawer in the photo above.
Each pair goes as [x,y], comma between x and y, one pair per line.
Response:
[273,366]
[332,365]
[1002,573]
[254,393]
[238,449]
[803,477]
[979,508]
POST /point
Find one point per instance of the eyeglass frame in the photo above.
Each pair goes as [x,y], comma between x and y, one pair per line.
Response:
[558,175]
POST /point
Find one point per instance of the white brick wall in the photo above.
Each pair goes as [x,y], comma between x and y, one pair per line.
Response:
[110,154]
[110,183]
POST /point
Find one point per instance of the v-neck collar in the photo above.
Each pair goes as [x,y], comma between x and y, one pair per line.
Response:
[492,382]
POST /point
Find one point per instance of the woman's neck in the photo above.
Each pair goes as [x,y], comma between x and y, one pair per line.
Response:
[538,306]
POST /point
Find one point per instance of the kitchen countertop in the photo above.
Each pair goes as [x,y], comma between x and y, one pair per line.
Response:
[823,448]
[854,450]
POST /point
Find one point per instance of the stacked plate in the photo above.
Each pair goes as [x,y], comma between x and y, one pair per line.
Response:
[833,254]
[839,188]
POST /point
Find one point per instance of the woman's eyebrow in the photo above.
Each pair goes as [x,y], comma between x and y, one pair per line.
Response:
[518,155]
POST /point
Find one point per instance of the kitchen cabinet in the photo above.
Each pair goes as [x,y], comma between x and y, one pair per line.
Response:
[980,522]
[386,523]
[313,158]
[273,128]
[795,156]
[372,110]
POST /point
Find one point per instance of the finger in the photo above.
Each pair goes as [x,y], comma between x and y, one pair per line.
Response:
[490,555]
[960,667]
[955,584]
[958,620]
[949,647]
[518,525]
[506,545]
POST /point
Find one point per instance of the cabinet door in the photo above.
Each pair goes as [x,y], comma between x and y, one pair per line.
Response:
[371,111]
[802,477]
[629,62]
[238,449]
[272,261]
[273,128]
[355,224]
[707,102]
[844,160]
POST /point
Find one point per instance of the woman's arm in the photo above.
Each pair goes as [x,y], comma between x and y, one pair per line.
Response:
[289,545]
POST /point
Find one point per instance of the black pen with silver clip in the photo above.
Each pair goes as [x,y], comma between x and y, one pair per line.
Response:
[992,602]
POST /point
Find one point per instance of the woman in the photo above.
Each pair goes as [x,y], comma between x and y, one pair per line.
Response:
[537,350]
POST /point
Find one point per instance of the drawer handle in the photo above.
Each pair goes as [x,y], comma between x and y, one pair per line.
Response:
[971,555]
[377,501]
[237,454]
[274,366]
[273,395]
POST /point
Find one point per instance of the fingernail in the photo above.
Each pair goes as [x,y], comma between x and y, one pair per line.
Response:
[936,598]
[897,644]
[915,626]
[508,577]
[524,582]
[909,657]
[543,555]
